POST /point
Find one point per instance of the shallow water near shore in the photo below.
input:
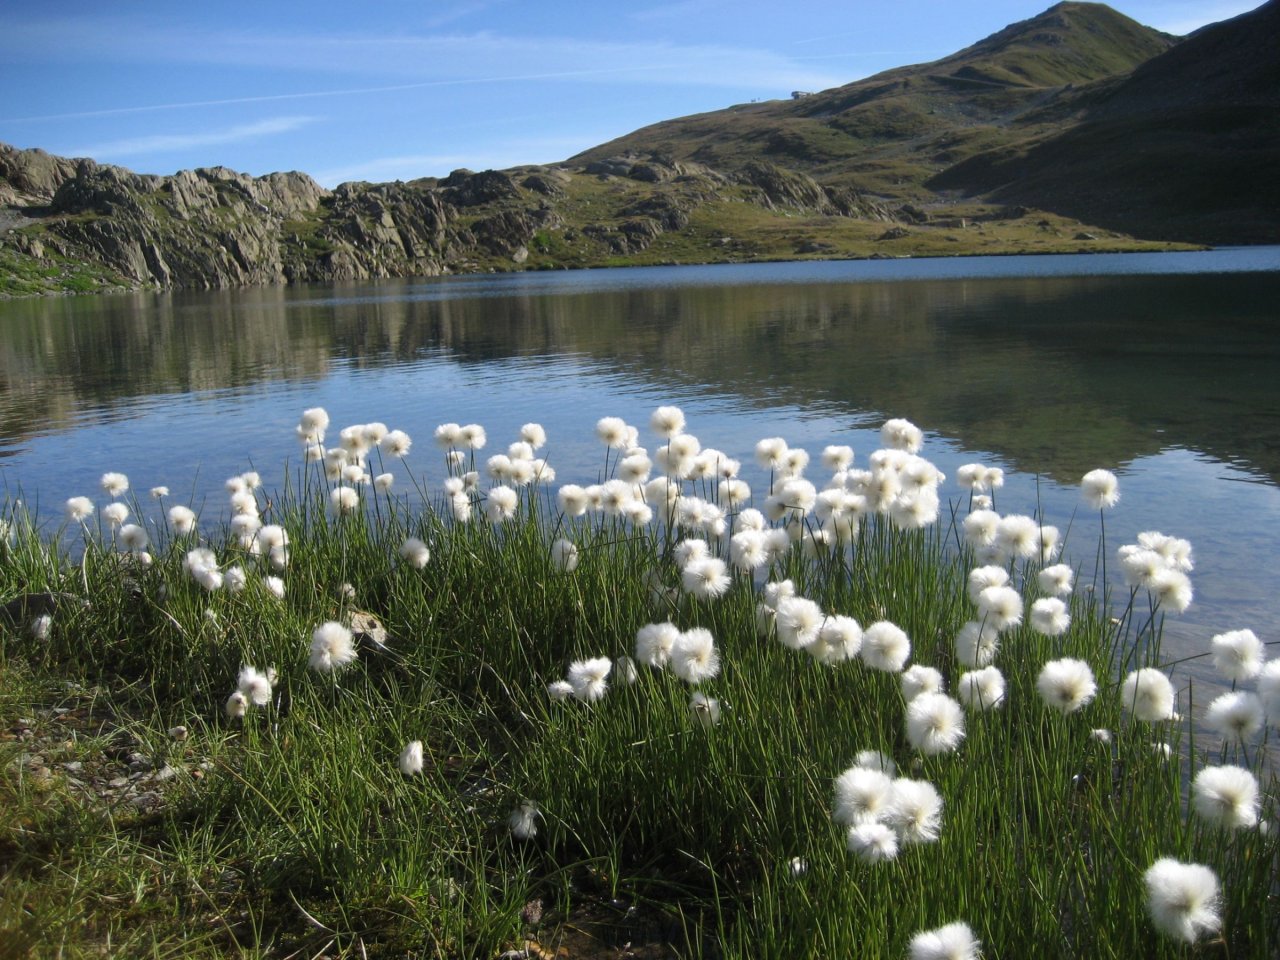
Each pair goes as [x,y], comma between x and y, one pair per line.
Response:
[1162,367]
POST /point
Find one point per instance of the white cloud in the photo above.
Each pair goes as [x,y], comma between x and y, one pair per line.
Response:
[174,142]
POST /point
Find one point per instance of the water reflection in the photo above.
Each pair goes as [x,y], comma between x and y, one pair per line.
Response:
[1172,380]
[1055,374]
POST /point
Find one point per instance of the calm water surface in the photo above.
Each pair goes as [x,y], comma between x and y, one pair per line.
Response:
[1162,367]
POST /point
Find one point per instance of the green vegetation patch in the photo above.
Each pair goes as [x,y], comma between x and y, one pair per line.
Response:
[682,713]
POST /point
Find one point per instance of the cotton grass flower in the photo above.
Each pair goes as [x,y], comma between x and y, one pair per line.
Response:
[472,436]
[133,537]
[706,579]
[313,423]
[115,513]
[1056,580]
[501,504]
[201,564]
[448,435]
[612,432]
[115,484]
[1148,695]
[885,646]
[274,586]
[534,435]
[564,555]
[1226,796]
[667,421]
[590,678]
[235,579]
[1000,607]
[331,647]
[655,643]
[237,705]
[981,527]
[982,577]
[1237,654]
[982,689]
[837,458]
[396,444]
[899,434]
[915,811]
[1018,535]
[799,620]
[255,685]
[1049,616]
[1066,685]
[415,553]
[747,550]
[523,822]
[839,638]
[159,492]
[689,550]
[694,657]
[706,710]
[778,590]
[344,500]
[1237,715]
[1175,551]
[976,644]
[383,482]
[955,941]
[862,795]
[411,759]
[572,500]
[1100,489]
[919,679]
[1182,899]
[771,452]
[872,842]
[935,724]
[1172,588]
[78,509]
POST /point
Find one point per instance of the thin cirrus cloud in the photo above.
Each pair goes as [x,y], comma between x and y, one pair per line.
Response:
[177,142]
[420,57]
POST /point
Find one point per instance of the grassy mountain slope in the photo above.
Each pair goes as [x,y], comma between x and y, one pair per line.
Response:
[1203,117]
[889,133]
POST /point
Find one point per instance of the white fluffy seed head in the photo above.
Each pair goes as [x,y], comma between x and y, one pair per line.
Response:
[885,646]
[1237,654]
[1066,684]
[955,941]
[1148,695]
[1226,796]
[411,758]
[1182,899]
[935,724]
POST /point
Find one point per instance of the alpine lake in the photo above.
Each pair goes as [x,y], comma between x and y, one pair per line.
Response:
[1164,368]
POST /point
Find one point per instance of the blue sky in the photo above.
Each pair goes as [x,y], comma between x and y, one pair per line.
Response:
[392,89]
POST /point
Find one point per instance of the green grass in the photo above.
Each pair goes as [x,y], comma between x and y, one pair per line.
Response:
[291,831]
[24,276]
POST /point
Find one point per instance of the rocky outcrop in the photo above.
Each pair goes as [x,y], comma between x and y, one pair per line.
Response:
[214,227]
[31,177]
[781,188]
